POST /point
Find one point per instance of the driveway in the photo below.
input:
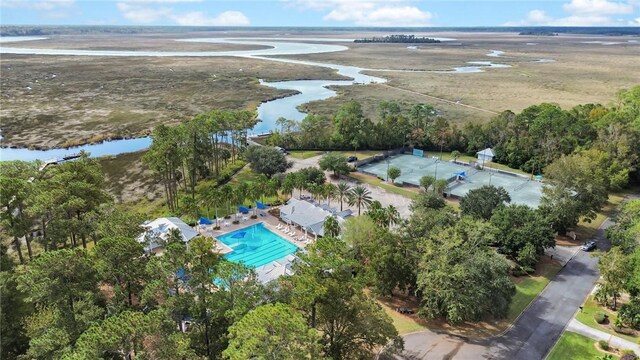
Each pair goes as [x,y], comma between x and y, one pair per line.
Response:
[535,332]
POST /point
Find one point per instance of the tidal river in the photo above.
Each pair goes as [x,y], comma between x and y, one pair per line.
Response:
[268,112]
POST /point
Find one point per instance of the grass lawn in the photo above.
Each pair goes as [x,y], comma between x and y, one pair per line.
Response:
[586,317]
[403,323]
[379,183]
[305,154]
[574,346]
[529,287]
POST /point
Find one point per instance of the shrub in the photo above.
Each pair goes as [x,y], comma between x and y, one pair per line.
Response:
[518,271]
[603,345]
[217,227]
[628,352]
[630,313]
[228,217]
[235,222]
[254,216]
[623,330]
[600,317]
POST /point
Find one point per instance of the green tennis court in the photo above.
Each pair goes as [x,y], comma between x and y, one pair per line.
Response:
[461,178]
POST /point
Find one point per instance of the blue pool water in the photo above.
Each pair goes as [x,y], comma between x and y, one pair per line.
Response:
[256,245]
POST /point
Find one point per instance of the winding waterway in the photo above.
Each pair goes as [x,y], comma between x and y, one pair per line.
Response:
[268,112]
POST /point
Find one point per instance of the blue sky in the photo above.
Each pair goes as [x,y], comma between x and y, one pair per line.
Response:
[322,12]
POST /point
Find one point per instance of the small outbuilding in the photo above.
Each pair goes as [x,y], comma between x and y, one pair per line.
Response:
[485,155]
[157,232]
[310,216]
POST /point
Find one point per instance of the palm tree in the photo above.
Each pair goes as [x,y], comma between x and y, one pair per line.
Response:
[331,226]
[360,196]
[226,192]
[330,192]
[210,197]
[272,187]
[342,192]
[261,184]
[315,190]
[393,216]
[300,182]
[288,185]
[240,194]
[254,192]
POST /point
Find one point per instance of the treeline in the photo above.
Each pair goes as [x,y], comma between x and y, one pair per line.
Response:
[538,33]
[530,140]
[200,148]
[401,39]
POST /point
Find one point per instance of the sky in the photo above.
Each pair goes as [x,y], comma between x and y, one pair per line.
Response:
[347,13]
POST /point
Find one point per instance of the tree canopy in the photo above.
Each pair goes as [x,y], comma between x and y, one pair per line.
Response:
[266,160]
[482,202]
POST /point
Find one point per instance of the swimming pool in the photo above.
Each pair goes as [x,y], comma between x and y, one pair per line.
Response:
[256,245]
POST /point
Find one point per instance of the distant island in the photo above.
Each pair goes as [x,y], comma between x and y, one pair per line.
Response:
[402,39]
[539,33]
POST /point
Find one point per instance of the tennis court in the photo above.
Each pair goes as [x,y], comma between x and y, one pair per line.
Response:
[462,178]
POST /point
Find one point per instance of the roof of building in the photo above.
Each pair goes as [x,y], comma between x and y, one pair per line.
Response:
[275,269]
[309,215]
[486,152]
[160,227]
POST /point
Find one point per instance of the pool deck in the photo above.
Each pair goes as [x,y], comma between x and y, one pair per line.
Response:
[269,221]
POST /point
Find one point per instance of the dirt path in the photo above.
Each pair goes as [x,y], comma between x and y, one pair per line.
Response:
[457,103]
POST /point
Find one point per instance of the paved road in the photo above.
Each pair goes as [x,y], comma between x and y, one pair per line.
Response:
[534,333]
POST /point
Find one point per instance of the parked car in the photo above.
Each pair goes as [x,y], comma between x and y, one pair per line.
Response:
[282,150]
[352,159]
[588,246]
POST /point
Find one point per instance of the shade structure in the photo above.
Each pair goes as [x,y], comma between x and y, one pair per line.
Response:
[260,205]
[243,209]
[204,221]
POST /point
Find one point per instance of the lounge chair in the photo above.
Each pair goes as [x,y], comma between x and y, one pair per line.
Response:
[292,233]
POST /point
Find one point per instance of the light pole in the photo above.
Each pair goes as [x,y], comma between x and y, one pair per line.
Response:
[387,169]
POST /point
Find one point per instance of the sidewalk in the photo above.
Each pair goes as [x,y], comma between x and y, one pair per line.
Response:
[616,342]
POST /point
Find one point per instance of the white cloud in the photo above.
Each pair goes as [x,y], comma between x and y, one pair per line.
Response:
[367,13]
[199,18]
[582,13]
[152,11]
[597,7]
[42,5]
[142,14]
